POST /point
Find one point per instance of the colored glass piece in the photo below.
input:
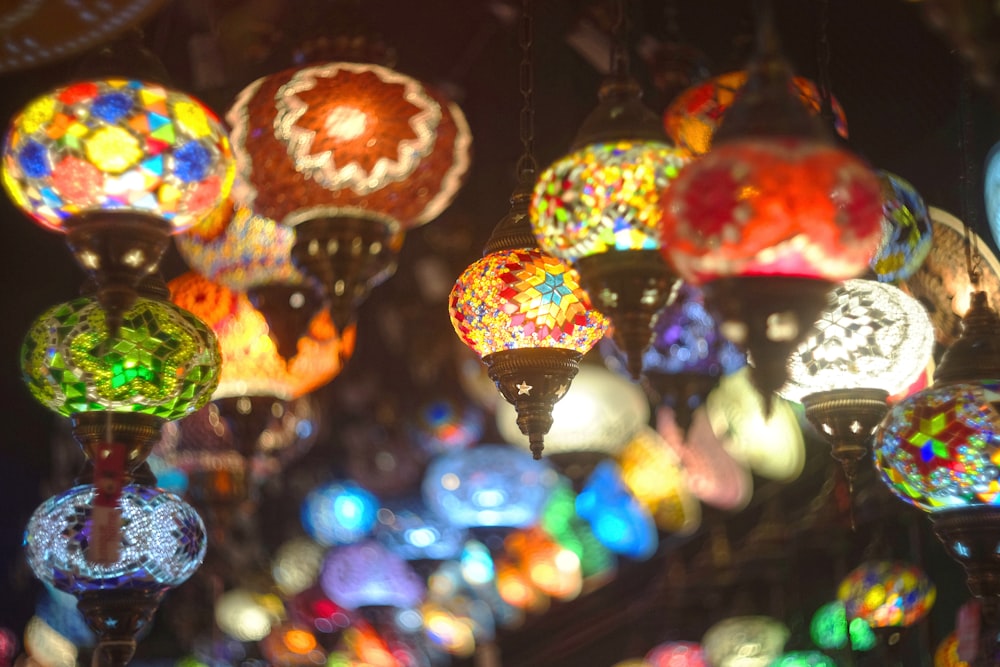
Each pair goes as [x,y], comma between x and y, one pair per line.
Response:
[163,361]
[237,248]
[523,298]
[695,114]
[830,629]
[677,654]
[907,232]
[938,448]
[732,213]
[653,473]
[871,335]
[411,530]
[162,542]
[367,574]
[600,413]
[332,139]
[488,485]
[603,197]
[251,363]
[804,659]
[887,594]
[745,641]
[618,520]
[339,513]
[114,144]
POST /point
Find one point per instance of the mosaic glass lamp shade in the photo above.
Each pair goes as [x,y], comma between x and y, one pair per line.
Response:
[163,361]
[991,191]
[117,145]
[830,629]
[907,231]
[693,116]
[677,654]
[339,513]
[887,594]
[252,364]
[410,529]
[239,249]
[745,641]
[601,412]
[804,659]
[488,485]
[653,473]
[367,574]
[618,519]
[445,424]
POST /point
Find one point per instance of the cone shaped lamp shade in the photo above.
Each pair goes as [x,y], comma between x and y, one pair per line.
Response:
[252,364]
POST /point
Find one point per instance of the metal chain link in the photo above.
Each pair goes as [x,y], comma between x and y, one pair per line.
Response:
[526,165]
[973,258]
[619,49]
[823,60]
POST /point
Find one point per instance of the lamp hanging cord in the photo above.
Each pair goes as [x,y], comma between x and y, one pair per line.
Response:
[973,259]
[823,60]
[619,49]
[526,165]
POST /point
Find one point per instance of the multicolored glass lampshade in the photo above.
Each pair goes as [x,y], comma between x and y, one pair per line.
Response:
[618,519]
[677,654]
[549,566]
[239,249]
[520,299]
[162,542]
[444,424]
[946,654]
[163,361]
[367,574]
[887,594]
[339,513]
[347,139]
[252,365]
[906,230]
[804,659]
[745,641]
[117,145]
[601,412]
[830,629]
[693,116]
[411,530]
[653,474]
[871,335]
[488,485]
[603,197]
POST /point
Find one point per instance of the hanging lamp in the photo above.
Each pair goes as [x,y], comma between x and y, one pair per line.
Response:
[598,207]
[521,310]
[770,218]
[118,165]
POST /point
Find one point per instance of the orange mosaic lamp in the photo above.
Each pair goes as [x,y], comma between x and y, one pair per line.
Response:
[252,364]
[351,155]
[693,117]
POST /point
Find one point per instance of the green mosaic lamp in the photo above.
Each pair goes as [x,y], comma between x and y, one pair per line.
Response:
[161,364]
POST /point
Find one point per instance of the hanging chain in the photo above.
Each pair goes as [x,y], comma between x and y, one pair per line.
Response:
[823,60]
[526,165]
[672,28]
[973,259]
[619,48]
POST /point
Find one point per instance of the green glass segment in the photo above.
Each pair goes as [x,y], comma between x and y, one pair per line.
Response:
[163,361]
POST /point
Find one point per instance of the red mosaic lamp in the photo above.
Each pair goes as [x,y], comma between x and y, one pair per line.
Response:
[771,218]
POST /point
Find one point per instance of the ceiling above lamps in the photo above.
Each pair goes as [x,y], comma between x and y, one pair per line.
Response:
[788,215]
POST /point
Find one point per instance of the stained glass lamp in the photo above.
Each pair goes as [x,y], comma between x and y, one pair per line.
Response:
[687,357]
[600,413]
[252,362]
[411,530]
[339,513]
[887,594]
[162,543]
[652,472]
[446,424]
[367,574]
[118,166]
[693,116]
[830,629]
[937,450]
[872,341]
[161,364]
[570,530]
[598,207]
[804,659]
[770,218]
[946,654]
[549,566]
[618,520]
[745,641]
[677,654]
[488,485]
[991,191]
[907,232]
[296,565]
[351,155]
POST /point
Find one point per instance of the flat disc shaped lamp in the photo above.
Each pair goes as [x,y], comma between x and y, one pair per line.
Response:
[118,165]
[599,208]
[771,217]
[351,155]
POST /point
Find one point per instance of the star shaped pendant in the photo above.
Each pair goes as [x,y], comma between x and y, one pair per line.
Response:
[524,389]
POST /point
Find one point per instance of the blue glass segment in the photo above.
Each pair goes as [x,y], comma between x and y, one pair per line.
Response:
[412,531]
[192,162]
[34,160]
[339,513]
[162,541]
[489,485]
[619,521]
[367,574]
[112,107]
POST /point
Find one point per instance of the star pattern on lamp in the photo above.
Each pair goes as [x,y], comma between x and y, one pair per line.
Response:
[543,297]
[524,389]
[850,328]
